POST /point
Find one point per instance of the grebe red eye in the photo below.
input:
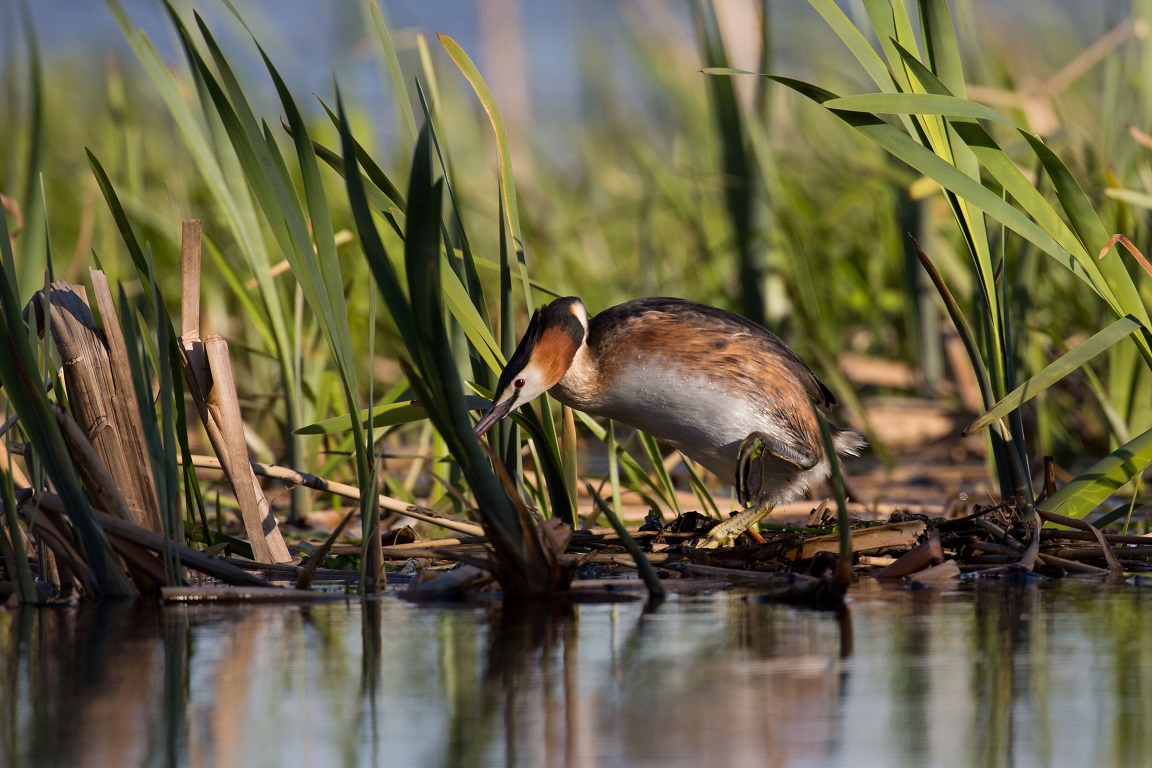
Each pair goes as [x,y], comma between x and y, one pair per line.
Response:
[519,383]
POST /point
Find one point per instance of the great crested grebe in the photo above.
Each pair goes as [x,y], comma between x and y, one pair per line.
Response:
[707,381]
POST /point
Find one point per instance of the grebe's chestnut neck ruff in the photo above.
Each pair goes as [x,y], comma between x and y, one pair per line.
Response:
[700,378]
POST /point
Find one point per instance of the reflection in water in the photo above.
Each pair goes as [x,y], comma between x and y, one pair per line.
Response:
[990,675]
[80,686]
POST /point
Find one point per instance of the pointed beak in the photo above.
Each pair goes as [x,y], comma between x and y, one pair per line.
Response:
[494,414]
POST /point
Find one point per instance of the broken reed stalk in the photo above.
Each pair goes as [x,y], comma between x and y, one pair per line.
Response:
[98,396]
[224,406]
[124,405]
[191,232]
[48,526]
[94,474]
[208,369]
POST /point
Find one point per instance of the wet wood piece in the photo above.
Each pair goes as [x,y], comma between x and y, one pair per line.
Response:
[1114,566]
[924,555]
[440,553]
[738,575]
[946,571]
[1028,561]
[1129,554]
[876,561]
[625,559]
[957,523]
[453,583]
[891,536]
[291,569]
[999,533]
[991,547]
[992,560]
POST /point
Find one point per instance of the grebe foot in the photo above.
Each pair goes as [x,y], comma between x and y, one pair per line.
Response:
[724,534]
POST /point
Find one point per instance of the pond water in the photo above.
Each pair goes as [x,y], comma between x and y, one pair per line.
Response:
[980,674]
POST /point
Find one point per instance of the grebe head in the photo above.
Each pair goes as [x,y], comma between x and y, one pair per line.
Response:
[554,335]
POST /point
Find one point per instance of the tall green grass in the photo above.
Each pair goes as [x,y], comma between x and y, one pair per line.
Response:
[920,115]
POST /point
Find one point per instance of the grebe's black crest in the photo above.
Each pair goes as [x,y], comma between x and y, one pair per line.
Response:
[553,336]
[557,317]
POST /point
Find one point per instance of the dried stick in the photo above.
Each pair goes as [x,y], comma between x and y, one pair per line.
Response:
[344,490]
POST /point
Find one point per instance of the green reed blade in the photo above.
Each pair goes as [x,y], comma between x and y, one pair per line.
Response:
[662,477]
[741,182]
[892,27]
[916,104]
[439,376]
[552,464]
[1093,486]
[932,165]
[856,43]
[941,45]
[504,154]
[1073,360]
[467,259]
[397,75]
[12,541]
[29,269]
[465,312]
[372,170]
[1131,196]
[636,474]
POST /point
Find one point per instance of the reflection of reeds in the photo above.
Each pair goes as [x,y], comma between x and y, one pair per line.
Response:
[89,683]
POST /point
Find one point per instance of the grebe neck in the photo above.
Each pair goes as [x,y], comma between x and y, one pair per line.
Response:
[581,386]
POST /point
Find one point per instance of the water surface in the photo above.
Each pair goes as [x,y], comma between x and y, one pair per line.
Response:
[982,675]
